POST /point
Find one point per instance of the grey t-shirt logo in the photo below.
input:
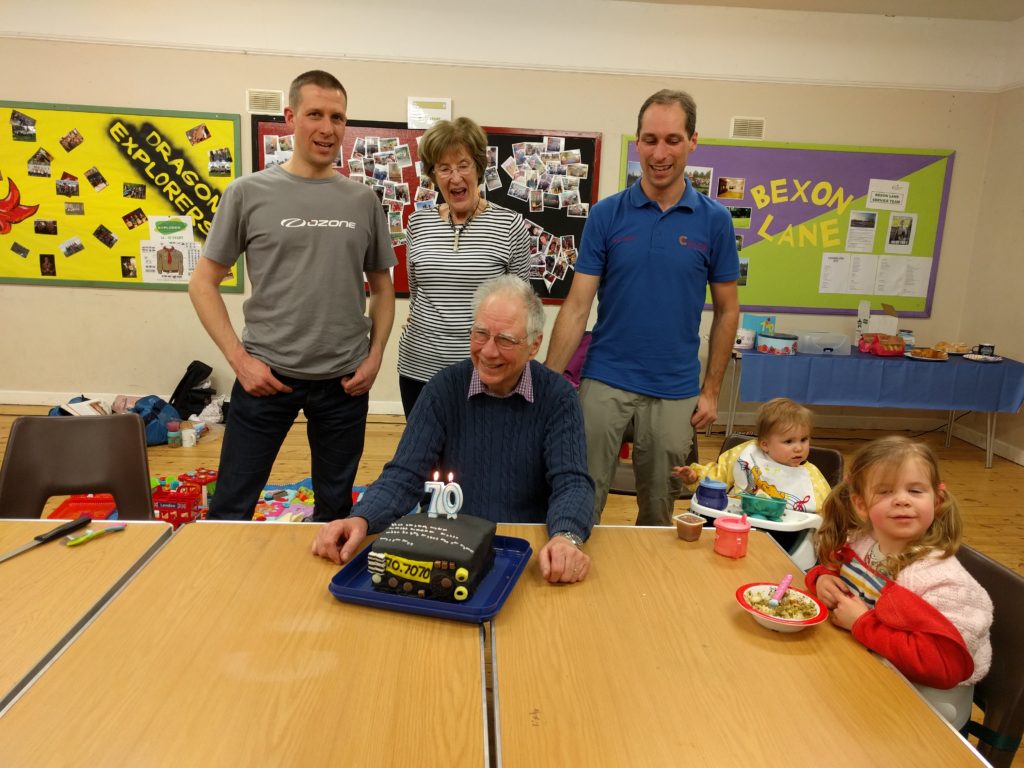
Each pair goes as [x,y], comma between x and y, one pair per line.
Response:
[292,223]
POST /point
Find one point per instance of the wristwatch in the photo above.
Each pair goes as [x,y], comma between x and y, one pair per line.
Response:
[576,540]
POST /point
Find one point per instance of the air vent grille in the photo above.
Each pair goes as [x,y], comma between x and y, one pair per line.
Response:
[264,102]
[747,128]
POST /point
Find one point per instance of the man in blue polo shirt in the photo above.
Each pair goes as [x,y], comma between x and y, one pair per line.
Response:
[648,253]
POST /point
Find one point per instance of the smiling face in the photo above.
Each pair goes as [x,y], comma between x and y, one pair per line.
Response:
[900,506]
[664,148]
[499,368]
[456,176]
[787,445]
[318,121]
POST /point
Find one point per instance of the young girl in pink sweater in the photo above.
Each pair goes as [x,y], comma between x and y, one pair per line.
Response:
[888,573]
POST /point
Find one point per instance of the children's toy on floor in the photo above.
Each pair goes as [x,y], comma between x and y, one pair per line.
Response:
[291,503]
[206,479]
[177,503]
[98,506]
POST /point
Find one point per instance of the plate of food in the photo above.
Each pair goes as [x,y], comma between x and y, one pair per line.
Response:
[984,358]
[927,353]
[952,348]
[796,610]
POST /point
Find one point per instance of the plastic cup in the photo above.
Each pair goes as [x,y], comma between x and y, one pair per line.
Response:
[689,526]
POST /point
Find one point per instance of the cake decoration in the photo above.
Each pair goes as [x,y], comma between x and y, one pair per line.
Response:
[428,555]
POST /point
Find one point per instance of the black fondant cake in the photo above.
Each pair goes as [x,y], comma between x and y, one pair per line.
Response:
[434,557]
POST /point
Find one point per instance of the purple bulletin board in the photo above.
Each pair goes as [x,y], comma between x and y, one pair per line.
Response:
[820,228]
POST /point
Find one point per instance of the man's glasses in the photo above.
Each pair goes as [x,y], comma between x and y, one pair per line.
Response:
[447,171]
[481,336]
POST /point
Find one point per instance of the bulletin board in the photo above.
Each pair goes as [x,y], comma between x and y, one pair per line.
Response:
[523,166]
[556,202]
[111,197]
[819,227]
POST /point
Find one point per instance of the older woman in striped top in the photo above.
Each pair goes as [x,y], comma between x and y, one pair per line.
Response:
[451,250]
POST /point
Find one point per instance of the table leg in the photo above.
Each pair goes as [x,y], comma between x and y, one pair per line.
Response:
[734,395]
[949,427]
[990,437]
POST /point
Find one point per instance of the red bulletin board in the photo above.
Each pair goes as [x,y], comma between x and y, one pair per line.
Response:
[551,286]
[269,125]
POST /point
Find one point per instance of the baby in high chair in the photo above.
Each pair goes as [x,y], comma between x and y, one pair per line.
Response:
[773,464]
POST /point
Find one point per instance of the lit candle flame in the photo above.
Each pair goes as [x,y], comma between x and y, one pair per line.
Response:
[436,475]
[450,477]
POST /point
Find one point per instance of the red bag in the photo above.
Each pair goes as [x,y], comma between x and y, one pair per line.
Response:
[881,344]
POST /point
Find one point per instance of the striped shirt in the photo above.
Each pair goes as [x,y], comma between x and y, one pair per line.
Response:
[442,282]
[863,580]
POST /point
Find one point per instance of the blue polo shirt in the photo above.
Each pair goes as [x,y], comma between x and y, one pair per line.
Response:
[654,267]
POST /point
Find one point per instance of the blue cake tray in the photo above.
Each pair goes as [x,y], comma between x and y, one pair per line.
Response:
[352,585]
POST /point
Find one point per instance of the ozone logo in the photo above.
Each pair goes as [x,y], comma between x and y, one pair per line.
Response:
[292,223]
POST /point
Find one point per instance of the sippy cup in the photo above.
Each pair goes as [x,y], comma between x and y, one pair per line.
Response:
[731,536]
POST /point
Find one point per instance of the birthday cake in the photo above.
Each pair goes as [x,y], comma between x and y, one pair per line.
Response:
[443,558]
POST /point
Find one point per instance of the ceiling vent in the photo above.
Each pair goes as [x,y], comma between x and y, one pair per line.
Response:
[747,128]
[264,102]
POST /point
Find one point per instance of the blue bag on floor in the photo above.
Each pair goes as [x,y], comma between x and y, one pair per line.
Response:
[155,413]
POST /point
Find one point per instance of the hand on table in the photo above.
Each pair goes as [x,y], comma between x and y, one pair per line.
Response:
[562,562]
[339,540]
[848,610]
[830,588]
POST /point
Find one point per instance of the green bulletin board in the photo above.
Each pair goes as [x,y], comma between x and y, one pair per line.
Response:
[822,227]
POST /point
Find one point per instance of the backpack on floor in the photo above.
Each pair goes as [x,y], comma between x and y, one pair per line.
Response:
[190,397]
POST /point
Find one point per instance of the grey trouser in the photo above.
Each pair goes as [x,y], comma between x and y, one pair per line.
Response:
[662,437]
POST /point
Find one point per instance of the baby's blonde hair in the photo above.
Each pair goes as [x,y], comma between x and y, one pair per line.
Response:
[887,455]
[781,413]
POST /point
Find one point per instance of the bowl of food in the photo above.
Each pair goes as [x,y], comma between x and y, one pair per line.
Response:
[763,506]
[796,610]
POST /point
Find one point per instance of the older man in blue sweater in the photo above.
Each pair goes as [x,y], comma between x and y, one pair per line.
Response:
[509,429]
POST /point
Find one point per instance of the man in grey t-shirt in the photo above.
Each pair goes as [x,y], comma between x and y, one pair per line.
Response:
[310,235]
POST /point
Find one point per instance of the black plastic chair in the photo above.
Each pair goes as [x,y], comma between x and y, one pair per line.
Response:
[1000,695]
[57,455]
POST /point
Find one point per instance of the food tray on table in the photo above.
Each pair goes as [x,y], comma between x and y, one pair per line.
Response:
[352,585]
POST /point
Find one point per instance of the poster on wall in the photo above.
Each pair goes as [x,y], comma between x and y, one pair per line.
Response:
[821,227]
[550,177]
[108,197]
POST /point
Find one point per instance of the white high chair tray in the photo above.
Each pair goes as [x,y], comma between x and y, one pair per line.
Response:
[790,520]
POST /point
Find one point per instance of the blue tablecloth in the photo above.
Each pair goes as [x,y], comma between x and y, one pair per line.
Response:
[884,382]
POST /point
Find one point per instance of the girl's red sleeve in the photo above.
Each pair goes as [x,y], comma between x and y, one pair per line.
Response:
[915,637]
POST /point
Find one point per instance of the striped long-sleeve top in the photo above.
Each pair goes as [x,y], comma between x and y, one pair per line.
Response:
[442,281]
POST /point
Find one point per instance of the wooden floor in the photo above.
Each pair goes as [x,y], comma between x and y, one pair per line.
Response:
[990,498]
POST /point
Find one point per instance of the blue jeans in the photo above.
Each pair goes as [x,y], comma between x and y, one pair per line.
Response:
[256,428]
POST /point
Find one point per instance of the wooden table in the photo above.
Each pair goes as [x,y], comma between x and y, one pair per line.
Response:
[651,662]
[49,593]
[228,649]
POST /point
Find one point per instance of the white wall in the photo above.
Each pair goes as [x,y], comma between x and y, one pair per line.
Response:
[800,72]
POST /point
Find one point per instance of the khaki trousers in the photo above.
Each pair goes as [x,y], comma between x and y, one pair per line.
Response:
[662,438]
